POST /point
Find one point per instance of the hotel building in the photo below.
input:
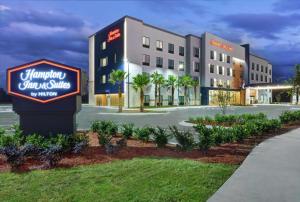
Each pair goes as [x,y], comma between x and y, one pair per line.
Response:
[136,47]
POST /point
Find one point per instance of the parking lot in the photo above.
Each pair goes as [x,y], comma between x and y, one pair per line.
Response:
[168,116]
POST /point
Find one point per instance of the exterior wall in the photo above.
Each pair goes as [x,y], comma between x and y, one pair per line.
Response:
[237,56]
[135,31]
[259,70]
[129,51]
[91,83]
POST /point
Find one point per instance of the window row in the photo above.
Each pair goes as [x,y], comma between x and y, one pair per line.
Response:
[219,83]
[104,61]
[159,47]
[159,62]
[262,78]
[222,56]
[262,68]
[220,70]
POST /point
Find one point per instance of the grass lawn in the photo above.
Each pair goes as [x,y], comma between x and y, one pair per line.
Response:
[140,179]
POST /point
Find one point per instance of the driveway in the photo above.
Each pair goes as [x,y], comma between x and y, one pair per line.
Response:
[270,173]
[172,116]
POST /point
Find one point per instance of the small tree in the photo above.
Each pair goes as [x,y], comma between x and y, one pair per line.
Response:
[117,77]
[158,80]
[185,82]
[195,84]
[140,81]
[296,82]
[223,97]
[170,84]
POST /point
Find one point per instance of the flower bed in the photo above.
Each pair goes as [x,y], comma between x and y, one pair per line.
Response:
[109,142]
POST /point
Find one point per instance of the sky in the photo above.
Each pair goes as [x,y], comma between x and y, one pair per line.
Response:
[59,30]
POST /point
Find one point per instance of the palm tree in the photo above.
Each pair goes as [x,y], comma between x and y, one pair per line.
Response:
[195,84]
[140,81]
[185,82]
[296,82]
[117,77]
[170,84]
[157,80]
[160,83]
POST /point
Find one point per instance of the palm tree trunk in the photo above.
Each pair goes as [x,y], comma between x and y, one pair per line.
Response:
[142,100]
[173,89]
[120,99]
[297,95]
[195,94]
[159,101]
[185,97]
[155,95]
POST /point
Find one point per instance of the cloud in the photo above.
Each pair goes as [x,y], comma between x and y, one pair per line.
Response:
[4,8]
[30,35]
[286,5]
[266,25]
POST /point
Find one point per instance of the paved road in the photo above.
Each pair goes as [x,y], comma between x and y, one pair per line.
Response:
[270,173]
[172,117]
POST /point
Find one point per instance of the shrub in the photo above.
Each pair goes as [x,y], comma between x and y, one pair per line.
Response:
[289,116]
[218,135]
[79,142]
[106,130]
[241,132]
[95,126]
[228,136]
[51,155]
[127,130]
[185,139]
[14,155]
[205,137]
[161,137]
[144,133]
[36,140]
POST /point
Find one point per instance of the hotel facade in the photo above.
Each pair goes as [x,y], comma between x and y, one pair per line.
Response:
[131,45]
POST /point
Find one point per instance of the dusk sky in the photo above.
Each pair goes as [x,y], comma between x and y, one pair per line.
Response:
[59,30]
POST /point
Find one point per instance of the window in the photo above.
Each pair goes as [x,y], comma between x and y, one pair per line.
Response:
[266,68]
[213,55]
[228,71]
[270,80]
[146,42]
[221,57]
[159,62]
[257,67]
[228,84]
[181,66]
[262,68]
[196,66]
[159,45]
[261,78]
[103,62]
[146,60]
[170,48]
[181,50]
[212,82]
[228,59]
[196,52]
[256,77]
[211,68]
[103,79]
[253,66]
[220,70]
[270,72]
[252,76]
[115,58]
[103,45]
[266,79]
[171,64]
[220,83]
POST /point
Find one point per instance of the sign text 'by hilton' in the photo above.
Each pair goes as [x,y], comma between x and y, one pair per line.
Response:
[43,81]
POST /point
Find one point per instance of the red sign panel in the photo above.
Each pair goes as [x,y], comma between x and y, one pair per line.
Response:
[43,81]
[113,35]
[221,45]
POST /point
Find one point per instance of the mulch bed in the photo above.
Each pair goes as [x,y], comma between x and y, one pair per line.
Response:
[233,153]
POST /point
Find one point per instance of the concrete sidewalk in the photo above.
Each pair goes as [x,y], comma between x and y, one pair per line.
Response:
[270,173]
